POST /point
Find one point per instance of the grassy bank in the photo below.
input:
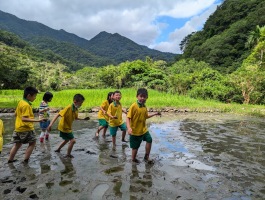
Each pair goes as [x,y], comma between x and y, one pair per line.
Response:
[156,100]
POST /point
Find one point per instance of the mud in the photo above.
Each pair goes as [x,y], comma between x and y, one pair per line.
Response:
[197,156]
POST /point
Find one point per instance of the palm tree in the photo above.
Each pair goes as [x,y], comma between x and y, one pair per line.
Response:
[255,36]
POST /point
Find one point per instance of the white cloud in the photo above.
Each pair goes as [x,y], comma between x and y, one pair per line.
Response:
[196,22]
[132,19]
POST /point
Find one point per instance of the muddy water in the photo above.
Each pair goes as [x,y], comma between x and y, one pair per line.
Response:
[197,156]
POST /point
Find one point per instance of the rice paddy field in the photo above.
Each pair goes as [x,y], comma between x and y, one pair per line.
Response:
[156,100]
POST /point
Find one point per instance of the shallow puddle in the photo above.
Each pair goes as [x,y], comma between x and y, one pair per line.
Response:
[197,156]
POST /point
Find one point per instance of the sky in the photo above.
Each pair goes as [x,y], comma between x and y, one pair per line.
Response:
[157,24]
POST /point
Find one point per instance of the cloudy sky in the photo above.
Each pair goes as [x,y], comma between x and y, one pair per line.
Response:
[158,24]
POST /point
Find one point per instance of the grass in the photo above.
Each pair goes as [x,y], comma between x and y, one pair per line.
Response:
[156,100]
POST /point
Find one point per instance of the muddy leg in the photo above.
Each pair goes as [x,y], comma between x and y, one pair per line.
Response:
[13,151]
[148,147]
[70,147]
[29,150]
[61,145]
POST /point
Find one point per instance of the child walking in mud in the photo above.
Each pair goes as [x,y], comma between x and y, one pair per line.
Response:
[136,124]
[68,115]
[103,118]
[24,126]
[115,114]
[44,113]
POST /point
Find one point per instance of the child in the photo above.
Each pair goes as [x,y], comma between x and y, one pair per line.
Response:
[68,115]
[24,127]
[103,118]
[44,113]
[136,123]
[115,113]
[1,135]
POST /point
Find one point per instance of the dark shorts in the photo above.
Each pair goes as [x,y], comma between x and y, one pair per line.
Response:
[24,137]
[113,130]
[44,125]
[103,122]
[135,141]
[66,136]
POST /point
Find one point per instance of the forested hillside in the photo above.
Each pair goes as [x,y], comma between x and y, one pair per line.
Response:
[221,43]
[104,48]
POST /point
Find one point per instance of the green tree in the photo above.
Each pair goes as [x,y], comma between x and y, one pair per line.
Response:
[255,36]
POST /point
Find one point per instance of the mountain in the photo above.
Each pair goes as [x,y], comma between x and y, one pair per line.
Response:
[119,48]
[221,42]
[103,49]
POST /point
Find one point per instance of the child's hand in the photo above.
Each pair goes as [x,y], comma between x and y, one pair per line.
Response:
[129,131]
[43,120]
[49,128]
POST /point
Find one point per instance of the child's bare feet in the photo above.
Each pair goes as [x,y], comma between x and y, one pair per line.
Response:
[148,160]
[96,134]
[124,141]
[136,161]
[11,161]
[69,156]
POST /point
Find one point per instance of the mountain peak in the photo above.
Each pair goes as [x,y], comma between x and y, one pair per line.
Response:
[112,47]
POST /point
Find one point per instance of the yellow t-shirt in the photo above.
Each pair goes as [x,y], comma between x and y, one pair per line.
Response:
[24,109]
[138,116]
[115,110]
[68,115]
[1,134]
[105,106]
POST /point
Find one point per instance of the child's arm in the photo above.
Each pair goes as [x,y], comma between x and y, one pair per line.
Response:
[128,124]
[26,119]
[154,114]
[124,111]
[109,113]
[43,110]
[52,122]
[104,111]
[112,117]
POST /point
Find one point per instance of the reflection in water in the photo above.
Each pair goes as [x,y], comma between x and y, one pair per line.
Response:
[68,173]
[24,171]
[99,191]
[140,179]
[236,147]
[45,164]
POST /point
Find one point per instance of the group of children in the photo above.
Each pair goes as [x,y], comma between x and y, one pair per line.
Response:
[109,115]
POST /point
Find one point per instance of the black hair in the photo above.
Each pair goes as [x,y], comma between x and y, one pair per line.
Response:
[47,96]
[117,91]
[79,98]
[30,90]
[142,91]
[108,97]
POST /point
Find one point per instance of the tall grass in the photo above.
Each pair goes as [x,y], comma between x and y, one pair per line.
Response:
[156,100]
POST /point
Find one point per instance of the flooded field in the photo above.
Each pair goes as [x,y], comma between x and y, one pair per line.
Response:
[197,156]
